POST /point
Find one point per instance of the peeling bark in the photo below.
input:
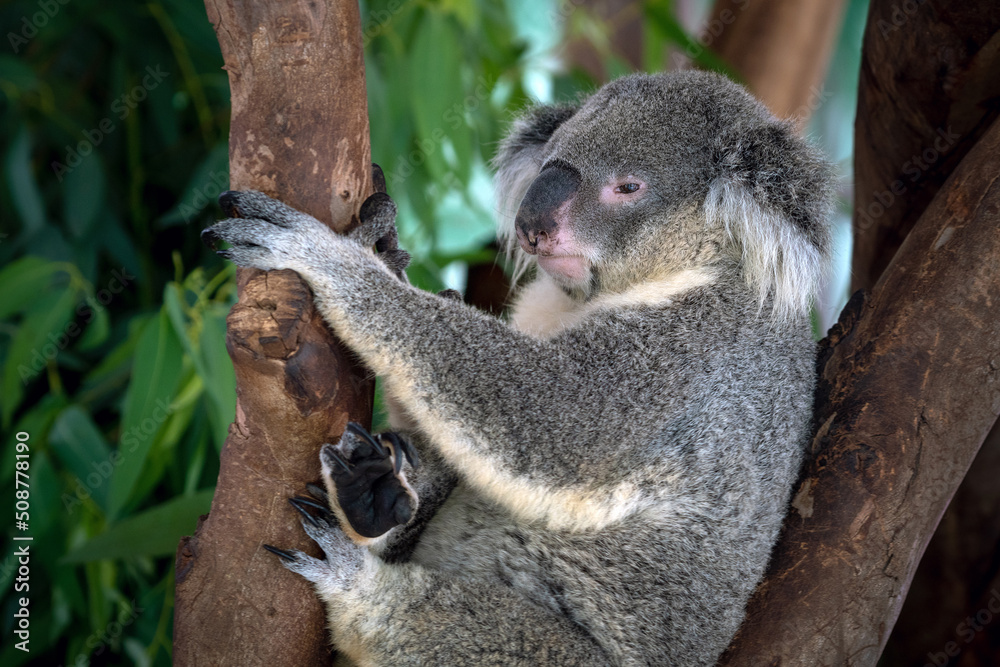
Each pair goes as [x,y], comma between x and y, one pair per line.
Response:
[300,133]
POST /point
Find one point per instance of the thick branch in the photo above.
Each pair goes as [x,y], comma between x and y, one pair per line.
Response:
[781,48]
[909,388]
[958,577]
[299,132]
[928,92]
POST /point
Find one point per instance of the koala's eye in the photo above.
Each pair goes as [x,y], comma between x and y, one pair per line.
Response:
[627,188]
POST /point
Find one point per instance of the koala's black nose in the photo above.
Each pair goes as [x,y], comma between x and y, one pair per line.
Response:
[536,218]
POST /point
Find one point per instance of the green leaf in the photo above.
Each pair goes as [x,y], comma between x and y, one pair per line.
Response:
[96,331]
[24,280]
[155,374]
[220,378]
[209,180]
[45,331]
[154,532]
[24,192]
[82,448]
[660,16]
[83,196]
[436,93]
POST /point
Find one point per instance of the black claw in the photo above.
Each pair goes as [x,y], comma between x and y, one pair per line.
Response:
[359,430]
[280,553]
[227,200]
[332,453]
[210,237]
[403,446]
[397,450]
[378,178]
[309,502]
[319,493]
[302,510]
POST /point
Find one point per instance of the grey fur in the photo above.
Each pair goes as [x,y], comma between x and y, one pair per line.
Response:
[606,490]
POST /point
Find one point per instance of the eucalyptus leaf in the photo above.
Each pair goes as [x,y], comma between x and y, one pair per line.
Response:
[81,447]
[155,375]
[154,532]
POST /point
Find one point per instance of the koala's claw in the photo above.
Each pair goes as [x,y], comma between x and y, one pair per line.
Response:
[280,553]
[401,445]
[378,178]
[319,493]
[366,473]
[300,503]
[342,559]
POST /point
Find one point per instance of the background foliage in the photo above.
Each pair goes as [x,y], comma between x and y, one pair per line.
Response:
[112,313]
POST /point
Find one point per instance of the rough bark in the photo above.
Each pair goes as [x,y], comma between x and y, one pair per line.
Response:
[299,132]
[780,48]
[909,388]
[929,88]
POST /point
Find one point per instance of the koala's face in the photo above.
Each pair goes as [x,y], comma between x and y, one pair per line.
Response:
[626,173]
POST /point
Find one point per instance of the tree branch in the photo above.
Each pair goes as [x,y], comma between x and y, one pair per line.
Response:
[927,93]
[909,388]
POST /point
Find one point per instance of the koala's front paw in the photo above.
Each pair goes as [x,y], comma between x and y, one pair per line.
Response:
[366,480]
[378,226]
[342,558]
[265,233]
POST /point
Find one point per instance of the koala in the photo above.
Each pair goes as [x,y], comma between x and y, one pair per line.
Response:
[599,479]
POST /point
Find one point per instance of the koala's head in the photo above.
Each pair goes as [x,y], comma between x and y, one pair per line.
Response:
[660,173]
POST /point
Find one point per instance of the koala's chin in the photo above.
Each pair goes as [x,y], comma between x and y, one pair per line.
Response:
[568,270]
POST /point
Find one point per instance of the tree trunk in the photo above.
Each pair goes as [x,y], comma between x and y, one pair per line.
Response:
[300,133]
[780,48]
[909,388]
[928,91]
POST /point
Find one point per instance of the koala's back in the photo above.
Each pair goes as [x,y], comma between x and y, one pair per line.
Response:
[704,407]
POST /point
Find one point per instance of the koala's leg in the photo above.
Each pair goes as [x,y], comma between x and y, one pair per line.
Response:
[381,492]
[405,614]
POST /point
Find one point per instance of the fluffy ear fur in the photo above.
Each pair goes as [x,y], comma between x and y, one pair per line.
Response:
[773,194]
[518,162]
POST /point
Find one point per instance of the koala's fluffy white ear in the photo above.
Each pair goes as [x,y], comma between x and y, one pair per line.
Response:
[773,193]
[519,160]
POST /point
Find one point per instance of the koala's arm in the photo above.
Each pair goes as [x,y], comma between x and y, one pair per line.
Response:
[469,380]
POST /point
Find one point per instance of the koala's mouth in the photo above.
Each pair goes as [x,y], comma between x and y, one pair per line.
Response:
[571,269]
